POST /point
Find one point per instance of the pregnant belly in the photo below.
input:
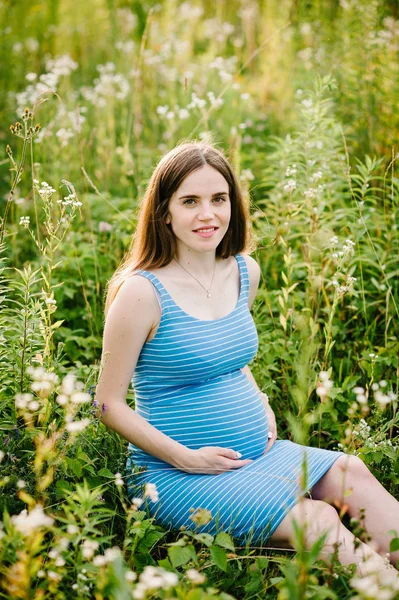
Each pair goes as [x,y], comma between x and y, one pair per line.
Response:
[226,411]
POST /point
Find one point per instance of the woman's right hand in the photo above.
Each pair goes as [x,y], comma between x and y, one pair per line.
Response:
[211,460]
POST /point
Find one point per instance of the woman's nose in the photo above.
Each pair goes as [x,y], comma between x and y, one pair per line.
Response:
[206,211]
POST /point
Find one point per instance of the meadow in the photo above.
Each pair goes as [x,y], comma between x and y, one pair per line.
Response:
[302,97]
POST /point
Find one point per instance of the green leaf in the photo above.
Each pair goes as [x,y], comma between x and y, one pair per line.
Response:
[219,557]
[57,324]
[75,466]
[225,540]
[180,556]
[205,538]
[394,545]
[105,473]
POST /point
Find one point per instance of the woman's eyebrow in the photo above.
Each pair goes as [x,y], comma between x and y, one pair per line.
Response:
[194,195]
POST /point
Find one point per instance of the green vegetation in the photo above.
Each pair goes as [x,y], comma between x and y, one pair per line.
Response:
[303,99]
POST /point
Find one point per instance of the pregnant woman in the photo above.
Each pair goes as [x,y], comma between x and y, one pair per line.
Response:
[178,324]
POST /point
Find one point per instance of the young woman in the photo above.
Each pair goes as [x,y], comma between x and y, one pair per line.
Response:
[178,321]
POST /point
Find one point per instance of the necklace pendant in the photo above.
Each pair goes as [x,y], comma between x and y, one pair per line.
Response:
[208,295]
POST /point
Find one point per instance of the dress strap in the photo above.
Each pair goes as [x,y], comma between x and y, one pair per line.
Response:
[244,277]
[161,293]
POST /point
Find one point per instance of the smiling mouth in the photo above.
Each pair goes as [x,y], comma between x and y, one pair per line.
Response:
[206,229]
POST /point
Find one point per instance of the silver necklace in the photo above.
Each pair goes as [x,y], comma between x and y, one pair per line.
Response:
[208,292]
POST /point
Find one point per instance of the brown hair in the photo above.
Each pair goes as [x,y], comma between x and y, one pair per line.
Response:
[153,244]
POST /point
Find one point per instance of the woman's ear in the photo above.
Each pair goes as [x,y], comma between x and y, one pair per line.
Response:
[167,220]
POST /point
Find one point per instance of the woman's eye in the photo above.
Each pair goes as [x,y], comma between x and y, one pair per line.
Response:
[188,200]
[221,199]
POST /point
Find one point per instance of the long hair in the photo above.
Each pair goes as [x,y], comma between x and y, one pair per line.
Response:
[153,244]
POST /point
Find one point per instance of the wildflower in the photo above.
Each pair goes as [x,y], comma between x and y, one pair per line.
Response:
[72,529]
[136,502]
[310,194]
[68,384]
[154,578]
[50,301]
[150,491]
[247,175]
[183,113]
[201,516]
[21,400]
[290,186]
[64,135]
[41,573]
[307,103]
[76,426]
[195,576]
[110,555]
[290,171]
[323,385]
[25,221]
[88,548]
[103,227]
[118,479]
[80,398]
[318,175]
[162,110]
[53,576]
[384,399]
[36,519]
[358,390]
[62,399]
[130,576]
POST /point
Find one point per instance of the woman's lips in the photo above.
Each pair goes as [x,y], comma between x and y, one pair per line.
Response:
[206,234]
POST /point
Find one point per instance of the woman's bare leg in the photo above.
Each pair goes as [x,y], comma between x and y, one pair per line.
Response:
[318,517]
[381,510]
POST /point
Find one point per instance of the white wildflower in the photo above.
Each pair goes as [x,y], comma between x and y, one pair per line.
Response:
[358,390]
[72,529]
[290,171]
[195,576]
[118,479]
[64,135]
[76,426]
[137,502]
[80,398]
[151,492]
[25,221]
[130,576]
[290,186]
[247,175]
[103,226]
[27,523]
[21,400]
[183,113]
[310,194]
[88,547]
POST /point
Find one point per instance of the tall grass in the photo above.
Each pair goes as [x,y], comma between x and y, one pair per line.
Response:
[303,101]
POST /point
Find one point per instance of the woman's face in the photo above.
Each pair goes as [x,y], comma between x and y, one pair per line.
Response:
[201,202]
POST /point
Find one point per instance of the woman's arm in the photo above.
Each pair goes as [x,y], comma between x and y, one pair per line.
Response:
[130,319]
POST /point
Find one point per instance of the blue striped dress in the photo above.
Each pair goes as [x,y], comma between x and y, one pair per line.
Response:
[188,383]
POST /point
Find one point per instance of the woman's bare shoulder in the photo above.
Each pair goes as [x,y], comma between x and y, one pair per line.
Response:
[136,296]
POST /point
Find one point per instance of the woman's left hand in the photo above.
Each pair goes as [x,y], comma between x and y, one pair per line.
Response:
[272,423]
